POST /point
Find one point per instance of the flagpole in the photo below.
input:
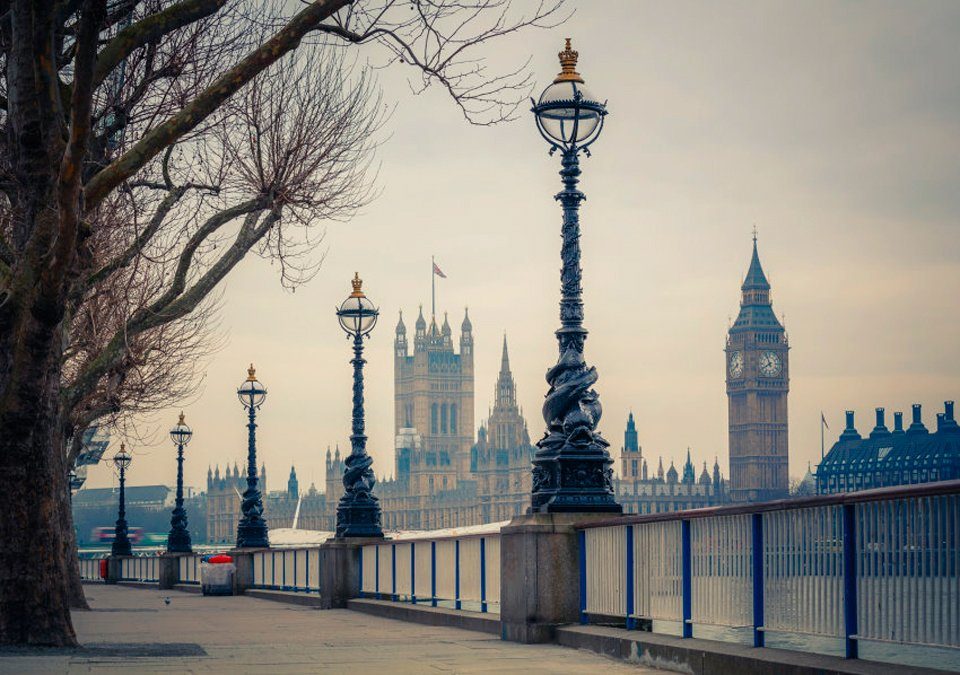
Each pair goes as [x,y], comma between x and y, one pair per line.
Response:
[433,287]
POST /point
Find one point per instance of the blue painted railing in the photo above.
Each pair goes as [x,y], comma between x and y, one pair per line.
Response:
[878,566]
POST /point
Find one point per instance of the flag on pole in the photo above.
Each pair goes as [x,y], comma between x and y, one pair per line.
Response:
[823,420]
[438,271]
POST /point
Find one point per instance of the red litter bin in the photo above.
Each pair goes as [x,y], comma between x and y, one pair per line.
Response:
[104,569]
[216,575]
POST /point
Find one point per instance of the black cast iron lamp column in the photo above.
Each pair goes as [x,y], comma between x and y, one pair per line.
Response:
[121,543]
[571,468]
[358,513]
[178,541]
[252,528]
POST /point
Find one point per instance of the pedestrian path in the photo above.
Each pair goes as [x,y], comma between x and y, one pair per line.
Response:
[152,631]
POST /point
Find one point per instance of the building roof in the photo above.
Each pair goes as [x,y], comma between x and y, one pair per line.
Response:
[891,451]
[755,278]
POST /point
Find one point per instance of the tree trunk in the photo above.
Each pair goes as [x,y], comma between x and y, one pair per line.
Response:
[75,596]
[33,599]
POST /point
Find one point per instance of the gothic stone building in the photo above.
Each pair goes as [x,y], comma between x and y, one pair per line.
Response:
[758,379]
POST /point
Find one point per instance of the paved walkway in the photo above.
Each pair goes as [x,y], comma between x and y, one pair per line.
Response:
[132,629]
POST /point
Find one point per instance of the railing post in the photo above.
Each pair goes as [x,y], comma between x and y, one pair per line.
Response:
[686,575]
[456,572]
[850,579]
[376,572]
[631,622]
[306,562]
[483,574]
[433,573]
[393,572]
[359,574]
[413,572]
[582,547]
[757,556]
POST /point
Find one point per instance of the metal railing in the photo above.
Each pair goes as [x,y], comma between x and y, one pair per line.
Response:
[880,565]
[90,568]
[140,568]
[294,569]
[455,571]
[188,571]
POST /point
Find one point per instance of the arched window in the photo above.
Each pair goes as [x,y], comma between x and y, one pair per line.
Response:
[433,418]
[453,418]
[443,418]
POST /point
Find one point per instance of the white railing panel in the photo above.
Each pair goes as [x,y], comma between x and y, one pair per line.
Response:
[369,561]
[300,579]
[446,569]
[289,577]
[492,554]
[908,561]
[385,556]
[606,570]
[422,564]
[803,570]
[258,568]
[657,571]
[470,569]
[722,570]
[404,587]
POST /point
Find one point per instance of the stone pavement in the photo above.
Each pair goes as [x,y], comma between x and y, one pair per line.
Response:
[133,629]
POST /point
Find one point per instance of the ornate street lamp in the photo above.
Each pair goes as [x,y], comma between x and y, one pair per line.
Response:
[358,513]
[178,541]
[121,543]
[252,528]
[571,469]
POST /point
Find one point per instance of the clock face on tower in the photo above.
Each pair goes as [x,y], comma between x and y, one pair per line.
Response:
[770,364]
[736,364]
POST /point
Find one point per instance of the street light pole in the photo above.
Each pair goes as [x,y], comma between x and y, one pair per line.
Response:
[252,528]
[358,513]
[572,468]
[121,542]
[178,541]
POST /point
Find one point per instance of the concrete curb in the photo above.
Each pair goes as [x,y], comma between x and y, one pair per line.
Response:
[430,616]
[289,597]
[703,657]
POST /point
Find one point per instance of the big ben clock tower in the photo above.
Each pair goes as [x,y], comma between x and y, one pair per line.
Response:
[757,385]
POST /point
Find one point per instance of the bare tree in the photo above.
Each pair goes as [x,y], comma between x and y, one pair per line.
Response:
[148,149]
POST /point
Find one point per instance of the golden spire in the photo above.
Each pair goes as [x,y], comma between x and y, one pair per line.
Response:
[568,65]
[251,374]
[357,283]
[181,418]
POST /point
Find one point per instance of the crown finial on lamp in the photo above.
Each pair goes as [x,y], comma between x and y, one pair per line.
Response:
[568,65]
[357,284]
[181,418]
[251,374]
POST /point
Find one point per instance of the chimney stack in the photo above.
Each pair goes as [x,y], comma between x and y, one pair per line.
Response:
[880,429]
[850,433]
[939,422]
[898,422]
[917,426]
[949,424]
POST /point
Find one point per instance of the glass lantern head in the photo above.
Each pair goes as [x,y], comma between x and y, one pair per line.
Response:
[251,393]
[357,314]
[181,433]
[122,459]
[568,115]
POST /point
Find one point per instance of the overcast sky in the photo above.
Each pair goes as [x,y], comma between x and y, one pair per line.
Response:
[832,127]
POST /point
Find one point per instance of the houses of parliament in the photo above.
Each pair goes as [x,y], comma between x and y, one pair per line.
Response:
[445,475]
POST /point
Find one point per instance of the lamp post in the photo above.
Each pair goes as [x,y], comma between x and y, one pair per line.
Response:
[571,469]
[358,513]
[121,543]
[178,541]
[252,528]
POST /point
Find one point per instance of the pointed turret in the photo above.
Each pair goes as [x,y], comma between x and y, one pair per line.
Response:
[704,475]
[689,475]
[506,387]
[400,341]
[672,473]
[755,279]
[756,309]
[630,442]
[401,327]
[466,326]
[446,325]
[716,471]
[660,470]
